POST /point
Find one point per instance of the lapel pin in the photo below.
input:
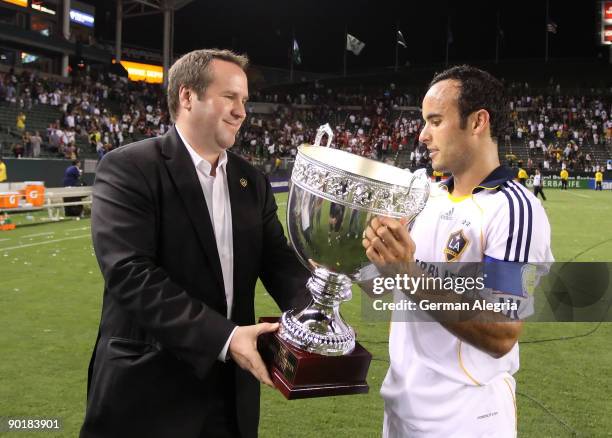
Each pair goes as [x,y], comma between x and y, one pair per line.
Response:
[243,182]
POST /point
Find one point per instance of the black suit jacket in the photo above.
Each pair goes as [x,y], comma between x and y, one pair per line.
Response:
[163,320]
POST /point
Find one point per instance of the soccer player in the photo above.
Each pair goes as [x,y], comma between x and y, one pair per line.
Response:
[452,378]
[598,180]
[537,185]
[564,176]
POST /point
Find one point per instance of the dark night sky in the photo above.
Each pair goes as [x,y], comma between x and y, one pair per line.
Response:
[262,29]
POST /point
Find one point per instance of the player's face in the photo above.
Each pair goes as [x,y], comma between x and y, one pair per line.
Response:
[446,141]
[219,113]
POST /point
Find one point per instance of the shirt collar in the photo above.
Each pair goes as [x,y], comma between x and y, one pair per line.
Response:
[496,178]
[200,163]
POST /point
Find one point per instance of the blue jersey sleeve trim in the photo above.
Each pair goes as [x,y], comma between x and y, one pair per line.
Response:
[503,276]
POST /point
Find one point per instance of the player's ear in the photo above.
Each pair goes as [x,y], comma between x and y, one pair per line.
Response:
[480,121]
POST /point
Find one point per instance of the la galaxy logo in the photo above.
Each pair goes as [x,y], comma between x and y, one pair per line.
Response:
[456,244]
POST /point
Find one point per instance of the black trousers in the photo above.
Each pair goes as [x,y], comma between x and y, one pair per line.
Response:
[537,190]
[73,210]
[563,184]
[221,420]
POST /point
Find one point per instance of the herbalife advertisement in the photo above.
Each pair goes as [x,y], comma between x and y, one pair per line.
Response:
[578,182]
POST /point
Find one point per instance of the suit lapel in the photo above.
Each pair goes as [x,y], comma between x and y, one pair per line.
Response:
[183,174]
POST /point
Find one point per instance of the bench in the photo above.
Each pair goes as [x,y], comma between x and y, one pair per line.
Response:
[54,201]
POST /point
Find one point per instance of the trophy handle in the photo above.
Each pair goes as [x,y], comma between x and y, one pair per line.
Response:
[324,129]
[419,181]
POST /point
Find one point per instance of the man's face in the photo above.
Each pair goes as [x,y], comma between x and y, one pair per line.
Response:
[446,141]
[218,114]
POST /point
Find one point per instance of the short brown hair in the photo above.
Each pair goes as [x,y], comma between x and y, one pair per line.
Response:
[478,90]
[192,70]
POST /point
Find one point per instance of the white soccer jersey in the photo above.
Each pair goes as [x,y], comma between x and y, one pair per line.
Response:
[537,180]
[437,385]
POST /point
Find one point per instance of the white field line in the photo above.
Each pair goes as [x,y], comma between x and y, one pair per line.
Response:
[71,230]
[579,194]
[76,229]
[46,242]
[37,234]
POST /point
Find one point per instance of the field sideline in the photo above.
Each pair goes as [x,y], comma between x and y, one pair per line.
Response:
[50,296]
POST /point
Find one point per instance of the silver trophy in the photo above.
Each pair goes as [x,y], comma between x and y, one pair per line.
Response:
[333,196]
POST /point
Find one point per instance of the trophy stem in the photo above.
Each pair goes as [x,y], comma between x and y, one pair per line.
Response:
[329,289]
[319,328]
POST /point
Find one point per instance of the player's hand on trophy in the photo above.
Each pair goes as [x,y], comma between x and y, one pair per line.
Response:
[389,246]
[243,350]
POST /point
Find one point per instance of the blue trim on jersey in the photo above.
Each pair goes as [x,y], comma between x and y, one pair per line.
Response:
[510,227]
[521,221]
[496,178]
[529,220]
[503,276]
[515,193]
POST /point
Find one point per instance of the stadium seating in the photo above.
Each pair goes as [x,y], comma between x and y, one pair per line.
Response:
[363,117]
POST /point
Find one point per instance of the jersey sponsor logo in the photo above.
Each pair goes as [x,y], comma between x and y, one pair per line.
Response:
[456,244]
[448,215]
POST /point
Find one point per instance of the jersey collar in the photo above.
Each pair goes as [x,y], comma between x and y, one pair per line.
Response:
[495,179]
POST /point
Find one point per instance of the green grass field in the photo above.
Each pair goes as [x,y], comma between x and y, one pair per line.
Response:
[50,295]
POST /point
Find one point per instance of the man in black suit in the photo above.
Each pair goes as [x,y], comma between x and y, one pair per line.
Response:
[182,229]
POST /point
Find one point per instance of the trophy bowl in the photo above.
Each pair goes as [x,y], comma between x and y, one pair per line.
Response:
[332,198]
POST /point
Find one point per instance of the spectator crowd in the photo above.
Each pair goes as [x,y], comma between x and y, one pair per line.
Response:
[102,111]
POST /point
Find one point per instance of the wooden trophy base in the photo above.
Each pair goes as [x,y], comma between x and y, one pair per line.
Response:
[300,374]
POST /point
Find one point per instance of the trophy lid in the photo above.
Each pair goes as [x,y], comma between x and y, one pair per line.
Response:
[357,165]
[359,182]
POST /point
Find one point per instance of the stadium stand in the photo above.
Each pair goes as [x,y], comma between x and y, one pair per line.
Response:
[96,113]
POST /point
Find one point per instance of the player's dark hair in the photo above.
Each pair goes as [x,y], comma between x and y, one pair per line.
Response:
[478,90]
